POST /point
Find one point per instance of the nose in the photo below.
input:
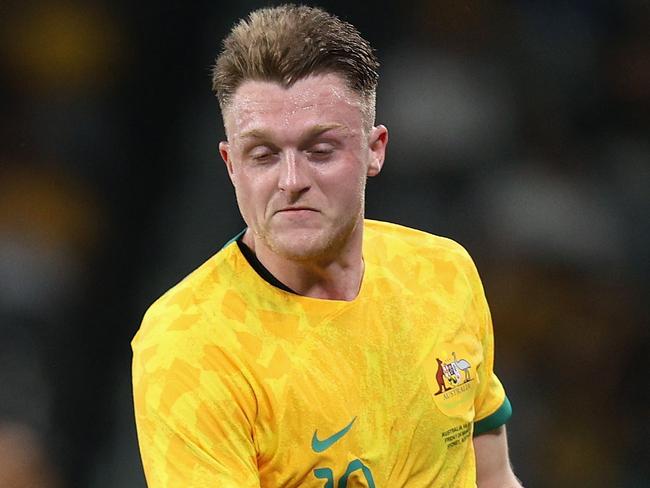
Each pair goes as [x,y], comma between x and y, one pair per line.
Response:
[294,175]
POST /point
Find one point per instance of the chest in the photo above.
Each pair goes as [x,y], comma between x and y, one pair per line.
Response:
[374,395]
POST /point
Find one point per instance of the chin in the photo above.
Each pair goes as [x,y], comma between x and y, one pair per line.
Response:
[307,245]
[305,248]
[316,243]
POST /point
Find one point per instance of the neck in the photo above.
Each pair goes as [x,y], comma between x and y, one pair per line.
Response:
[336,278]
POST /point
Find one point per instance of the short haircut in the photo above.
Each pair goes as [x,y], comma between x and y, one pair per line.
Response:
[290,42]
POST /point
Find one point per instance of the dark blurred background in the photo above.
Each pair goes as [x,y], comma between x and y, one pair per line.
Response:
[519,129]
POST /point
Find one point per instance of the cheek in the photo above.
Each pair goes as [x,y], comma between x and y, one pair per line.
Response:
[347,189]
[252,191]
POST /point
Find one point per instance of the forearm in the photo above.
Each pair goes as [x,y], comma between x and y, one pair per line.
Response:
[493,469]
[508,480]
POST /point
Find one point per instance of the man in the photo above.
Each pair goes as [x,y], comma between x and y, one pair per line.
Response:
[316,349]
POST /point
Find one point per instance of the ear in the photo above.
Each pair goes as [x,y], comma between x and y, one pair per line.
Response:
[224,151]
[377,142]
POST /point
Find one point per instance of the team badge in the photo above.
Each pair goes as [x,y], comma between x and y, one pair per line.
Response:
[448,375]
[452,378]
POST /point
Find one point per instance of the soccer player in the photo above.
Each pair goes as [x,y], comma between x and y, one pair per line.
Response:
[316,349]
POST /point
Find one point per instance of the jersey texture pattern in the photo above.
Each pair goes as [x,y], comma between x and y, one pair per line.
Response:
[238,383]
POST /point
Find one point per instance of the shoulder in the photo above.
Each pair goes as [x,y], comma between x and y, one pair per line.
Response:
[181,312]
[189,338]
[421,260]
[394,239]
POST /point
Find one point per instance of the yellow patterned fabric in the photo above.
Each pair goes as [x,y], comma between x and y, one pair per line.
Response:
[240,384]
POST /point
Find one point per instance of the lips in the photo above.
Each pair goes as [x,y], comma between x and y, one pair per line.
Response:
[296,209]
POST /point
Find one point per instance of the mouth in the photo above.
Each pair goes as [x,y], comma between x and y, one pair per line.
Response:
[290,210]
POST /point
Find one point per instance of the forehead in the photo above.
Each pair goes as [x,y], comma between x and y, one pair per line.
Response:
[314,100]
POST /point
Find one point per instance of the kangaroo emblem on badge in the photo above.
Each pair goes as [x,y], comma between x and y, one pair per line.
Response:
[450,373]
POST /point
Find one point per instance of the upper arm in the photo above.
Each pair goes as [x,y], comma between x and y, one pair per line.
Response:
[492,407]
[194,424]
[493,468]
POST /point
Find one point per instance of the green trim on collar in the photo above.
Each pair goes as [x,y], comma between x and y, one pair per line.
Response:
[234,239]
[497,419]
[255,263]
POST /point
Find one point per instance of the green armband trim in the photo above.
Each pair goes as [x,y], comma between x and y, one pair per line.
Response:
[497,419]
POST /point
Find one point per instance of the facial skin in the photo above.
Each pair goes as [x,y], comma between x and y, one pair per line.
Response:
[298,158]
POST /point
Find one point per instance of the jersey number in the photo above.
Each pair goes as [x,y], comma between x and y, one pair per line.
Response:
[356,465]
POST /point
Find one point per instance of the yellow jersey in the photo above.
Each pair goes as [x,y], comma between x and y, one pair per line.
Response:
[240,384]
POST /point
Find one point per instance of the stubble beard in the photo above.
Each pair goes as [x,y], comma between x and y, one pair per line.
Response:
[318,245]
[325,244]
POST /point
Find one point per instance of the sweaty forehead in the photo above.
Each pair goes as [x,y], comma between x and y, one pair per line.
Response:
[268,103]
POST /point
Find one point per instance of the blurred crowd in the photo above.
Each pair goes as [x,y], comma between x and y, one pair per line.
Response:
[520,129]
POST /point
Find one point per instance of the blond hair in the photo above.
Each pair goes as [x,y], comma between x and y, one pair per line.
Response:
[287,43]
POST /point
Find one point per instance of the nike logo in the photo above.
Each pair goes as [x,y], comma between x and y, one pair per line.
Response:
[320,446]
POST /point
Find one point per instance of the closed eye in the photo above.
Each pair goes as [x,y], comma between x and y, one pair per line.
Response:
[321,152]
[263,155]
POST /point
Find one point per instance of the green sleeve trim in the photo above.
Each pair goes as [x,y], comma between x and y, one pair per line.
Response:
[234,238]
[497,419]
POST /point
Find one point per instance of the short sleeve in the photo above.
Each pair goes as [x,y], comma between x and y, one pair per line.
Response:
[492,407]
[194,414]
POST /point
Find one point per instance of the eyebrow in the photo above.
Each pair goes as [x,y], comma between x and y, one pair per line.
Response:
[313,131]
